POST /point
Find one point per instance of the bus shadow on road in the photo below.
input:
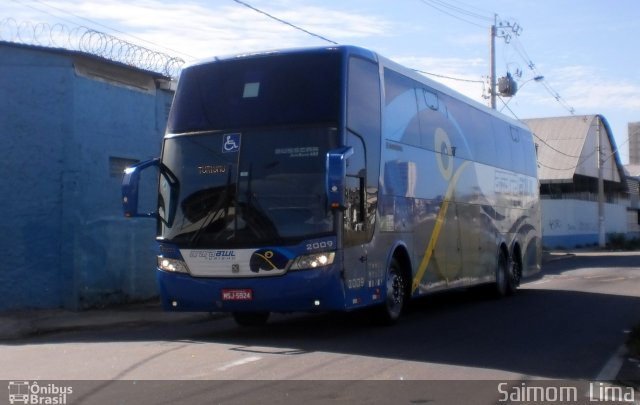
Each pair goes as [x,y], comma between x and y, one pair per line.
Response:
[541,331]
[544,333]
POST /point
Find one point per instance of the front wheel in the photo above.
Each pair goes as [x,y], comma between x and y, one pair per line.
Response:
[395,294]
[251,318]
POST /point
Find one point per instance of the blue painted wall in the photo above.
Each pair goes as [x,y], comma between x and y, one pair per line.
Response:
[64,240]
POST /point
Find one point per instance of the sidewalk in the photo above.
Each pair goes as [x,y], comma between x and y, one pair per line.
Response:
[25,323]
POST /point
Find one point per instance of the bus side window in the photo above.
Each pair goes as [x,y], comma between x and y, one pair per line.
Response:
[503,139]
[530,155]
[452,122]
[517,151]
[363,109]
[482,137]
[401,108]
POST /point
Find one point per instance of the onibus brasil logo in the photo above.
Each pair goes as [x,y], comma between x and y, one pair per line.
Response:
[26,392]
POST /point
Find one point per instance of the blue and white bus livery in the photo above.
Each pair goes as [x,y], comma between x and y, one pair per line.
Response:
[334,179]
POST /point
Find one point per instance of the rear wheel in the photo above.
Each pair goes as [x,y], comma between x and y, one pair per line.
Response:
[395,294]
[507,276]
[251,318]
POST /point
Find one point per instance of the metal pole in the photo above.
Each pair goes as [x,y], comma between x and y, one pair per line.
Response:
[601,230]
[492,64]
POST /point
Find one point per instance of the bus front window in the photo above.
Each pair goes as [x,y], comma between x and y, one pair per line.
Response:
[270,189]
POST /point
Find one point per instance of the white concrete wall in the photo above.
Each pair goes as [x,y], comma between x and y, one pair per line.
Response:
[570,223]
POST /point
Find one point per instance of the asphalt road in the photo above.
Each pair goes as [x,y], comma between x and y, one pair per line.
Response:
[562,325]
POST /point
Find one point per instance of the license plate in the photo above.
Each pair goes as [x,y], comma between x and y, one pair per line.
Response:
[238,294]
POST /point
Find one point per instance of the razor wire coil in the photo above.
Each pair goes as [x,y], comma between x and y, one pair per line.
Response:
[90,41]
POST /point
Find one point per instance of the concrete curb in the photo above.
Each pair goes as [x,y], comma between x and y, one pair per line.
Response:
[552,256]
[16,325]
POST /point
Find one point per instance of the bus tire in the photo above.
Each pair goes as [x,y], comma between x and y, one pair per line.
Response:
[506,281]
[251,318]
[395,294]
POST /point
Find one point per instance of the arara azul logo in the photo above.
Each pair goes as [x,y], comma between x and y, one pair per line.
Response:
[267,259]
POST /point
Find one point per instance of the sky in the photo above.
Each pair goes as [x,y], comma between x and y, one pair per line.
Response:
[586,51]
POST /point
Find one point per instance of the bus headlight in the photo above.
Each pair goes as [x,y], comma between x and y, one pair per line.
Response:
[172,265]
[313,261]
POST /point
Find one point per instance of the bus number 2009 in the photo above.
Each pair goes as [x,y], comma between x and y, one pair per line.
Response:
[325,244]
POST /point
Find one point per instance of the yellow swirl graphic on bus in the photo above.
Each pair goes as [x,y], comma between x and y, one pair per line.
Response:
[435,235]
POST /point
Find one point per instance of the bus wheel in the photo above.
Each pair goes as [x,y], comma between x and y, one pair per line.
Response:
[251,318]
[506,279]
[395,294]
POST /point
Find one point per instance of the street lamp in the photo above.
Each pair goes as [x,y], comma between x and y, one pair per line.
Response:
[535,78]
[538,78]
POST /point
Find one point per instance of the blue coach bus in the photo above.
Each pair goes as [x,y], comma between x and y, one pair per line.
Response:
[334,179]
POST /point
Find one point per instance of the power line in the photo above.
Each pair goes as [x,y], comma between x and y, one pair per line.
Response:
[336,43]
[449,77]
[284,22]
[455,12]
[487,14]
[547,144]
[193,57]
[466,13]
[462,10]
[581,159]
[519,48]
[447,8]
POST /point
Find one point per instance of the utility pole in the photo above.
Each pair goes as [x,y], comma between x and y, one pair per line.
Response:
[500,30]
[601,230]
[492,63]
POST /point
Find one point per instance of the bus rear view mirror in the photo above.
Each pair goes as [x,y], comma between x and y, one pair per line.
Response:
[130,189]
[336,176]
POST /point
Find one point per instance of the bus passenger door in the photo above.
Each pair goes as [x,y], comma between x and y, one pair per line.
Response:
[355,226]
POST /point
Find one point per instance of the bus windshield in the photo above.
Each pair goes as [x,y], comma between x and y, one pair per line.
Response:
[236,190]
[243,162]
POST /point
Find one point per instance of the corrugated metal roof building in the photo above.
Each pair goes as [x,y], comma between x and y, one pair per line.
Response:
[568,168]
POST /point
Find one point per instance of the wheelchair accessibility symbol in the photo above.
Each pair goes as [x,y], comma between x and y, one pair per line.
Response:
[231,143]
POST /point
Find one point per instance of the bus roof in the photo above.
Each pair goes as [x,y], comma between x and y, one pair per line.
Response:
[375,57]
[349,49]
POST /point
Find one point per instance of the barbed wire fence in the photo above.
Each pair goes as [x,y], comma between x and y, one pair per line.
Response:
[89,41]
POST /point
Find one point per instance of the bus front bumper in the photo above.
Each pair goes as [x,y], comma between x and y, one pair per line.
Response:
[295,291]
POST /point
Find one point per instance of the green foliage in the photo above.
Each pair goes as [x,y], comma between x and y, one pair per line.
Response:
[619,241]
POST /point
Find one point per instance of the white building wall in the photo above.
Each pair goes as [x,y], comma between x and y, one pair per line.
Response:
[571,223]
[634,143]
[633,227]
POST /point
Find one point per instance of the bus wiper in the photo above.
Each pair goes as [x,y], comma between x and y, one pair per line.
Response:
[213,212]
[254,215]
